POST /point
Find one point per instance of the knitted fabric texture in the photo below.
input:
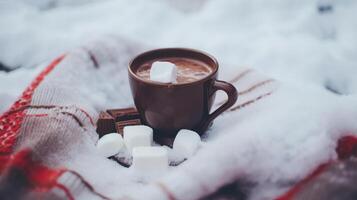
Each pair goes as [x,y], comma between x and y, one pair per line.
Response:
[47,138]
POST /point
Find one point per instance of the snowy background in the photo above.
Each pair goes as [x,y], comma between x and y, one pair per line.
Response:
[310,53]
[287,39]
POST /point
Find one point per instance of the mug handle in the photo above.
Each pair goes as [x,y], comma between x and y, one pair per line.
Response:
[232,94]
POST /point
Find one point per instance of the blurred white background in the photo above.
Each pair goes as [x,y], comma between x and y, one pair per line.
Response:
[290,40]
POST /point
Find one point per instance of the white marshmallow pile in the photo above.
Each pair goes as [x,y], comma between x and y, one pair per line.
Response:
[110,144]
[186,143]
[138,141]
[137,136]
[150,159]
[146,158]
[164,72]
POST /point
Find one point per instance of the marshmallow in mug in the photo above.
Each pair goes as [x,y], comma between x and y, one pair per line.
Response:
[164,72]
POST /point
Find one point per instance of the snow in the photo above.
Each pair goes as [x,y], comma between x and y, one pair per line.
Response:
[282,38]
[316,102]
[12,85]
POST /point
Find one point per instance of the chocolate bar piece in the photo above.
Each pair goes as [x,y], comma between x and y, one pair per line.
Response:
[105,124]
[114,120]
[121,124]
[124,114]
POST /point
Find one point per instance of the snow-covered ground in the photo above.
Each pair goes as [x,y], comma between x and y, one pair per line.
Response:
[285,39]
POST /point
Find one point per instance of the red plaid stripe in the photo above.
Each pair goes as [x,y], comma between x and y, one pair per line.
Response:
[10,123]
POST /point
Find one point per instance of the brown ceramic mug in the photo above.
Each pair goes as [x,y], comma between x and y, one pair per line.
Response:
[170,107]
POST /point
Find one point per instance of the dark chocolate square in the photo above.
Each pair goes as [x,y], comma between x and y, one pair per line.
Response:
[105,124]
[124,114]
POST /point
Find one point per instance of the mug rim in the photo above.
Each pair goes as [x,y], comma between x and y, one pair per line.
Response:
[155,83]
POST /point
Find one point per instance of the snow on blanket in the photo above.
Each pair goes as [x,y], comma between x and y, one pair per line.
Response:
[274,136]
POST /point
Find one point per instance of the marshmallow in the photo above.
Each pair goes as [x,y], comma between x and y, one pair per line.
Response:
[186,143]
[150,159]
[110,144]
[136,136]
[164,72]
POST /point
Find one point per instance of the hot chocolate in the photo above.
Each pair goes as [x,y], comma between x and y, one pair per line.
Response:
[188,70]
[167,106]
